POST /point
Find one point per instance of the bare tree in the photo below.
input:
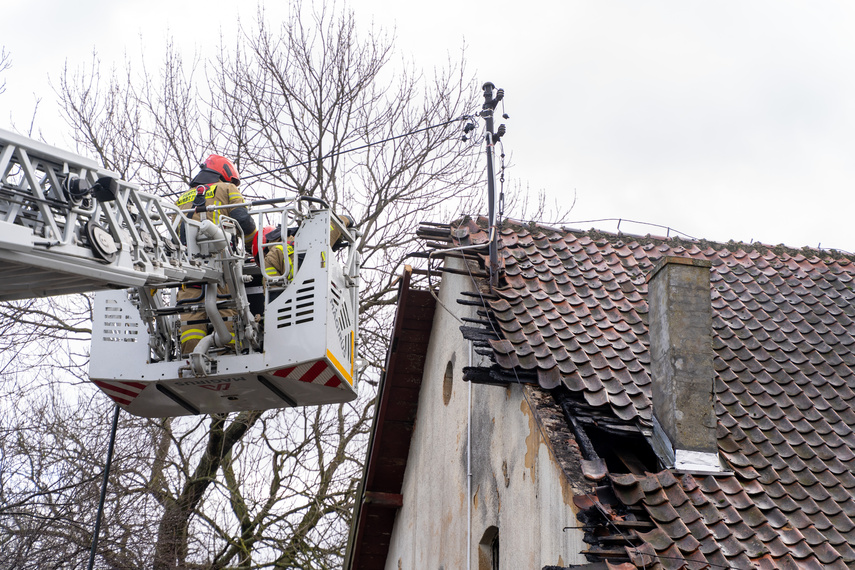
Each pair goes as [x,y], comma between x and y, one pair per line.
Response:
[313,107]
[5,63]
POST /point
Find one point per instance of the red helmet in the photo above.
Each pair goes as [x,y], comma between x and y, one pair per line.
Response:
[222,166]
[265,231]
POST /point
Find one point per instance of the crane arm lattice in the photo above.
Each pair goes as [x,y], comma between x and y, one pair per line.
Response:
[68,226]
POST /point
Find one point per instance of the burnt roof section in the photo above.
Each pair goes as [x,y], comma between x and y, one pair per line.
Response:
[379,494]
[571,309]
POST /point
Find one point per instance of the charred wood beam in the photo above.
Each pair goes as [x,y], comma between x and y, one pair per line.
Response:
[638,525]
[619,554]
[488,296]
[496,376]
[478,334]
[435,238]
[588,451]
[435,225]
[437,232]
[487,323]
[480,376]
[470,303]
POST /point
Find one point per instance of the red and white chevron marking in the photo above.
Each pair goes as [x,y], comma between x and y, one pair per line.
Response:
[121,392]
[313,372]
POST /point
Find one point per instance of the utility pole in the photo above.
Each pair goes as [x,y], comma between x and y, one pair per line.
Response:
[490,102]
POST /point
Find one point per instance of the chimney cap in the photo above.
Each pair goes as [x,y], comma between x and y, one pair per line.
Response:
[673,259]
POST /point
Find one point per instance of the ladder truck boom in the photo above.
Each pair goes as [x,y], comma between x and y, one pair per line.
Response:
[70,226]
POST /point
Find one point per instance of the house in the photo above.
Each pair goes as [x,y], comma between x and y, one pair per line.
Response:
[616,402]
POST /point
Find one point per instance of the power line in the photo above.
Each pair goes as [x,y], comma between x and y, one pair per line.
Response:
[354,149]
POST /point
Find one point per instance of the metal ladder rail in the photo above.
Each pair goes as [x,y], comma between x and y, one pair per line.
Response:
[40,223]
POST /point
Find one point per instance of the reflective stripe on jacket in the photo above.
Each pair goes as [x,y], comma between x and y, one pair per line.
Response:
[274,261]
[220,194]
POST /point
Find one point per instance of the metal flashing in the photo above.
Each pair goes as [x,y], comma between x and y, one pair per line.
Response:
[697,461]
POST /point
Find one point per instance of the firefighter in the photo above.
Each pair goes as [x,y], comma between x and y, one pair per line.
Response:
[216,184]
[335,234]
[274,259]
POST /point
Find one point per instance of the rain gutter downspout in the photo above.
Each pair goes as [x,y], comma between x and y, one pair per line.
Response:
[469,473]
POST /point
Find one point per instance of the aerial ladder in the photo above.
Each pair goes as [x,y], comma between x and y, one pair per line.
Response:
[69,226]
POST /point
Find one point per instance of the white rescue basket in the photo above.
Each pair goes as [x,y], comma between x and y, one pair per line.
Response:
[306,356]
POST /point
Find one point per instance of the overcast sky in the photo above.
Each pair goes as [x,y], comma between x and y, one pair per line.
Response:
[731,119]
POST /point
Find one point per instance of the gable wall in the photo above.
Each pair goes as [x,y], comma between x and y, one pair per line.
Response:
[516,484]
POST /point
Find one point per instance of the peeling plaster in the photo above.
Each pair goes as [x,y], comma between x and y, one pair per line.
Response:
[532,441]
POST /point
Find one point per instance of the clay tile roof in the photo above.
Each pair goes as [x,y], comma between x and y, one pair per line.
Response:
[572,306]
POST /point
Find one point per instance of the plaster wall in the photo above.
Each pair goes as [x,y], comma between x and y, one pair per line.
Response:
[517,486]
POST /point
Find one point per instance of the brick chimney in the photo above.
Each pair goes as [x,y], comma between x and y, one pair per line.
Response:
[682,364]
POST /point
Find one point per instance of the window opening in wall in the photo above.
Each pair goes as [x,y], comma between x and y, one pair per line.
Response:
[488,550]
[447,383]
